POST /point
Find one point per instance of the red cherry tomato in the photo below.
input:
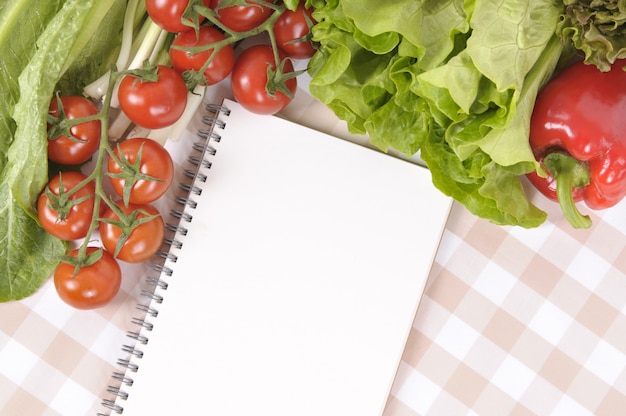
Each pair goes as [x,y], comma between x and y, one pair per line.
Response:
[242,18]
[249,81]
[157,104]
[85,136]
[142,242]
[151,179]
[222,63]
[93,286]
[69,220]
[293,25]
[168,14]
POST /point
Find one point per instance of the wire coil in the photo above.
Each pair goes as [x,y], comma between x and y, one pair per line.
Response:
[197,162]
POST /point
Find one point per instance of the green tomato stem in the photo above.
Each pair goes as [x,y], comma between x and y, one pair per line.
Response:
[96,173]
[234,37]
[569,174]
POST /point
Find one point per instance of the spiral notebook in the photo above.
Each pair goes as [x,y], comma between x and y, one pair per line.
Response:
[296,267]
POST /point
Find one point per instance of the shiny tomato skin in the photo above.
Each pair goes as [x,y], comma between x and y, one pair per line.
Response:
[292,25]
[249,81]
[78,220]
[156,162]
[167,14]
[221,65]
[154,105]
[142,243]
[242,18]
[93,286]
[62,149]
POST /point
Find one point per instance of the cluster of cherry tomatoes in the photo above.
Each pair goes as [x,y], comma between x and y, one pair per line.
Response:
[205,54]
[74,205]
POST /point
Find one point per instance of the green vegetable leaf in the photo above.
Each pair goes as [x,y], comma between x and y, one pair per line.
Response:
[28,152]
[454,80]
[597,28]
[21,22]
[28,254]
[96,47]
[431,25]
[291,4]
[58,47]
[63,32]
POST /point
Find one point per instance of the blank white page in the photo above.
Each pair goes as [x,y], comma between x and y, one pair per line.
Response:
[298,281]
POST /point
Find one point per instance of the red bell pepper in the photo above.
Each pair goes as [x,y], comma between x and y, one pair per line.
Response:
[578,134]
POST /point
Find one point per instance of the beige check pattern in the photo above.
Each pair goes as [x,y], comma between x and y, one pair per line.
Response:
[513,322]
[520,322]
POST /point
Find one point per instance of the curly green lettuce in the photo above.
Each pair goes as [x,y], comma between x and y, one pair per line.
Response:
[453,80]
[597,28]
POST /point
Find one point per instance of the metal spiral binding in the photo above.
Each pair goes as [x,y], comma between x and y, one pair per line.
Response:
[121,377]
[176,229]
[163,269]
[191,189]
[148,310]
[132,351]
[181,215]
[118,392]
[167,255]
[186,201]
[162,284]
[205,147]
[197,162]
[137,337]
[172,242]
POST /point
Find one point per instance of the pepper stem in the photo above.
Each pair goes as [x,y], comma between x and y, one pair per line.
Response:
[569,174]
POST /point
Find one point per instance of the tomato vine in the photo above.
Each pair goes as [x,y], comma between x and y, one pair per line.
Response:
[155,94]
[128,218]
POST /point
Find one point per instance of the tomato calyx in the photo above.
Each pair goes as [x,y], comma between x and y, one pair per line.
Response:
[193,77]
[93,270]
[192,15]
[207,42]
[84,257]
[61,125]
[148,72]
[277,79]
[130,172]
[235,29]
[63,202]
[127,223]
[569,174]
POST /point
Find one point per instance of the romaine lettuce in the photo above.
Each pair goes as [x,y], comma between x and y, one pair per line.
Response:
[21,22]
[49,36]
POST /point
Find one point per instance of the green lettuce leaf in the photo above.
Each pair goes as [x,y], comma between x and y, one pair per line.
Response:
[27,155]
[454,80]
[597,28]
[21,23]
[28,254]
[97,47]
[431,25]
[52,45]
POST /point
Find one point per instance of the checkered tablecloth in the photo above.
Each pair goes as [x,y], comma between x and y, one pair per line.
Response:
[520,322]
[512,322]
